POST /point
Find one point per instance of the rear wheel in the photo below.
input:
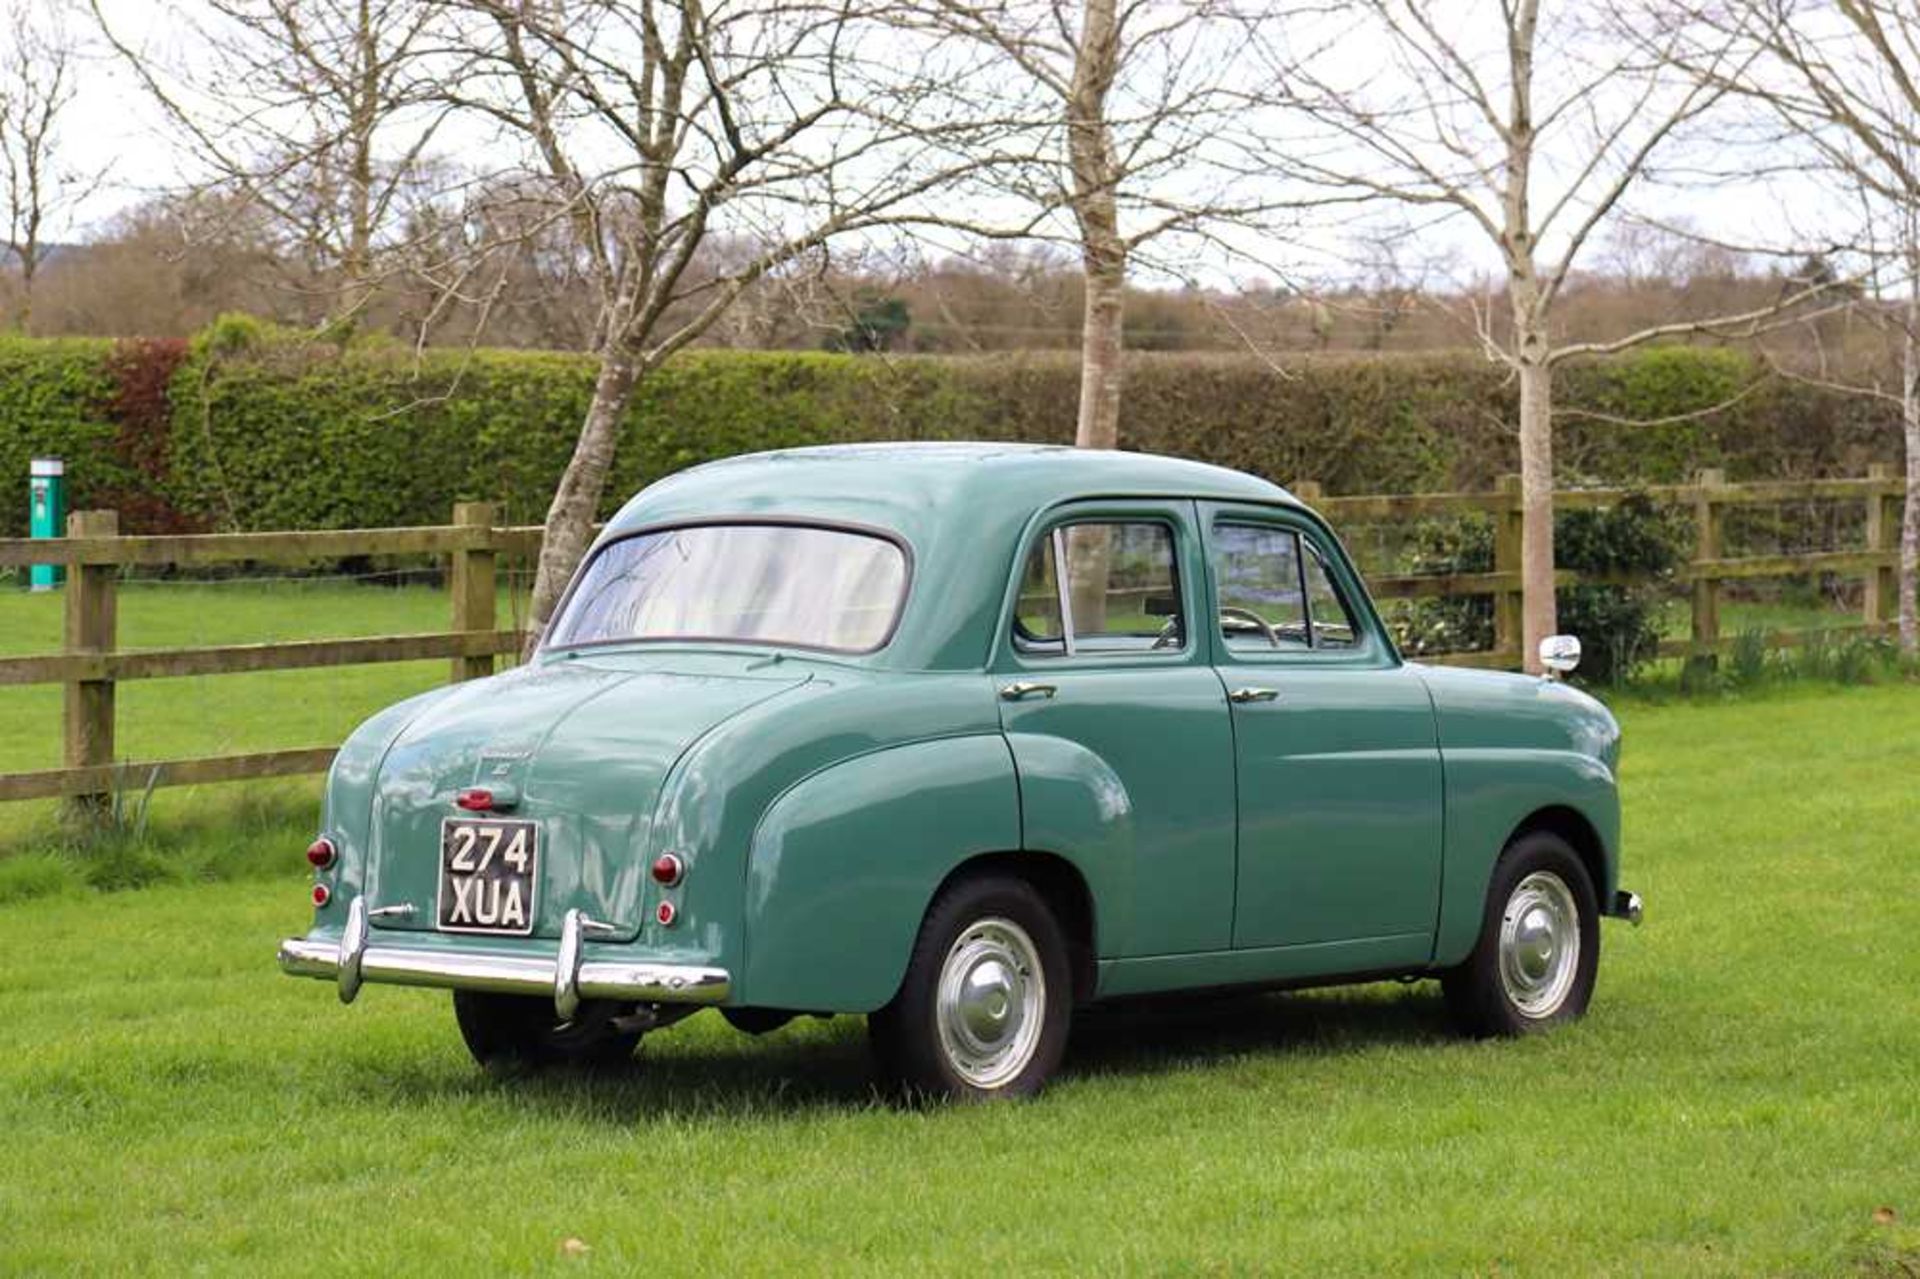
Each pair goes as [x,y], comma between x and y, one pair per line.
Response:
[523,1031]
[1539,948]
[983,1010]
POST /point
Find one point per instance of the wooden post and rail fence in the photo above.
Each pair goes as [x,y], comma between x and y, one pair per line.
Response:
[92,665]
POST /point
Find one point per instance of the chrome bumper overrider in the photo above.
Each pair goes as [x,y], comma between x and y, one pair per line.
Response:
[565,977]
[1627,906]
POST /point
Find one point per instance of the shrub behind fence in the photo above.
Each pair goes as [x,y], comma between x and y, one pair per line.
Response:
[259,430]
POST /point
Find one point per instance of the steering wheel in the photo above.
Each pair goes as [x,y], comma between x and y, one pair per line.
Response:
[1169,636]
[1248,615]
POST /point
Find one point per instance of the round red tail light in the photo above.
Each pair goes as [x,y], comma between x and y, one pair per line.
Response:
[321,896]
[668,869]
[321,853]
[666,914]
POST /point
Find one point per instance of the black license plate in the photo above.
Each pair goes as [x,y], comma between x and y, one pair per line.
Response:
[488,869]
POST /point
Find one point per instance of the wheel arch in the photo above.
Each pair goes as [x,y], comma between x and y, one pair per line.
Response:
[1571,825]
[1491,801]
[1067,894]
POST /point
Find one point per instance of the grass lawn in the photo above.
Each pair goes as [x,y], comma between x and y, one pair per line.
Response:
[1743,1099]
[1675,619]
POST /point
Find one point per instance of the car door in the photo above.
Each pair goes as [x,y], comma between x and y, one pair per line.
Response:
[1117,722]
[1336,753]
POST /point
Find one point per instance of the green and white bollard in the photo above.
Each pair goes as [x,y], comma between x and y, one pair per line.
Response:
[48,477]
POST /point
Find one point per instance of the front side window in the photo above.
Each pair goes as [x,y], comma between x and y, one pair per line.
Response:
[1277,593]
[744,583]
[1333,624]
[1122,593]
[1262,603]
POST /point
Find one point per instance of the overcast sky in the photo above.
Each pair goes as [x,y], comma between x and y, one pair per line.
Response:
[114,130]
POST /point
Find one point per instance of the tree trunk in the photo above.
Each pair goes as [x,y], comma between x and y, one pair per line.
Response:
[1532,351]
[1910,509]
[1102,343]
[28,251]
[29,262]
[1537,611]
[1095,173]
[569,527]
[364,120]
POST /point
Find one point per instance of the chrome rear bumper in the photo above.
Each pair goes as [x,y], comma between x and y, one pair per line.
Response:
[1627,906]
[564,977]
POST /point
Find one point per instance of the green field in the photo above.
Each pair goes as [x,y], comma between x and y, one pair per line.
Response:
[217,714]
[1743,1099]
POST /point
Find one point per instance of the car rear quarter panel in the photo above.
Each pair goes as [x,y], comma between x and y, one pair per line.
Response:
[1514,746]
[815,832]
[843,865]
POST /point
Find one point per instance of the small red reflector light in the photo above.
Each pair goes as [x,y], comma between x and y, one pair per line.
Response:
[666,914]
[321,896]
[321,853]
[667,869]
[477,800]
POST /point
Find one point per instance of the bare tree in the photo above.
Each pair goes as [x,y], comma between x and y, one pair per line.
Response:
[37,85]
[320,112]
[1528,123]
[1840,104]
[659,128]
[1127,105]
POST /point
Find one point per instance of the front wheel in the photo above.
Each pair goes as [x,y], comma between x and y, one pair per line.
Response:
[522,1031]
[983,1010]
[1539,948]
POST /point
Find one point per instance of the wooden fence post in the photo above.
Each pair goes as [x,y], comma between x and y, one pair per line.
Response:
[1308,491]
[1708,525]
[91,617]
[1882,596]
[472,586]
[1507,628]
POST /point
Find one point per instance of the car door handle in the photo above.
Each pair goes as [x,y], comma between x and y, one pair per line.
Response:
[1245,695]
[1023,688]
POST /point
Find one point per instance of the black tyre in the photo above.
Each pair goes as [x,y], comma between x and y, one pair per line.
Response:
[983,1010]
[522,1031]
[1539,948]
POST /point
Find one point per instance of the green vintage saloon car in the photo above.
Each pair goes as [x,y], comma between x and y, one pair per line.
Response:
[962,737]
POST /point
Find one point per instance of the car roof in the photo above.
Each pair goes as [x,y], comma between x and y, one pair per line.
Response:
[960,507]
[904,486]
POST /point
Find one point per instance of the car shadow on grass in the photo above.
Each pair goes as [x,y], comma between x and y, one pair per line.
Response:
[1168,1032]
[815,1067]
[812,1067]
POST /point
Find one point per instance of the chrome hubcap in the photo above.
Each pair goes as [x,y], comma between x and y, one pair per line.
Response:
[991,1002]
[1539,944]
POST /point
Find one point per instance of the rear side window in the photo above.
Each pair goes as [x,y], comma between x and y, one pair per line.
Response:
[1036,618]
[1120,594]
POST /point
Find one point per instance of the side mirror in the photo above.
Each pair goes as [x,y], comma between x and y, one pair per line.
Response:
[1560,653]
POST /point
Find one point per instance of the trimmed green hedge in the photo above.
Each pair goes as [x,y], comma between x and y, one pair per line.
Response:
[263,430]
[53,403]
